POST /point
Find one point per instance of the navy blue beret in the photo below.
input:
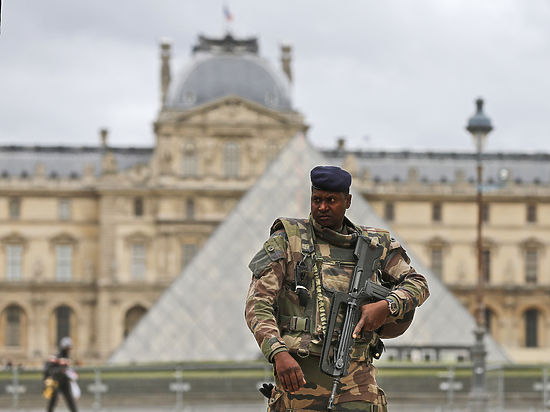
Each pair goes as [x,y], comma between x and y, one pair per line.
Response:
[330,179]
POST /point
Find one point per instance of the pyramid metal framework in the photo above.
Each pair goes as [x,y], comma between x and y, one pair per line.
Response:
[201,315]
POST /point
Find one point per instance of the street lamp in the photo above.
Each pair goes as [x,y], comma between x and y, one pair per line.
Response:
[479,126]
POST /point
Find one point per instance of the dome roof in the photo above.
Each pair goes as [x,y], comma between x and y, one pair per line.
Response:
[216,73]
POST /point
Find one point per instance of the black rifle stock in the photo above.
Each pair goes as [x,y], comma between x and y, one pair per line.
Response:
[361,290]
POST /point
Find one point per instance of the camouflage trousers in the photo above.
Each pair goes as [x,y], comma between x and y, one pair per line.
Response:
[358,390]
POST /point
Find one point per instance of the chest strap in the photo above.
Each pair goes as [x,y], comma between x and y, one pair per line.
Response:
[295,323]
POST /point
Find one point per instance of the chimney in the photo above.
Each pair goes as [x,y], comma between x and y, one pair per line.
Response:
[165,77]
[103,135]
[286,59]
[341,145]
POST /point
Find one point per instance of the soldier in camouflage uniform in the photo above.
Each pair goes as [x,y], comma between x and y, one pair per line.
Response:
[294,275]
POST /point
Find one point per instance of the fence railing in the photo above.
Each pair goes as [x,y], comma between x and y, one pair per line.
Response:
[436,387]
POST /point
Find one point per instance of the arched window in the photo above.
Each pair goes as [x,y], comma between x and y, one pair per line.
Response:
[132,317]
[531,317]
[231,159]
[13,331]
[63,322]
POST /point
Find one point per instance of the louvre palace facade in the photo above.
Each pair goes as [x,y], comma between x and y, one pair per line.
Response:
[92,236]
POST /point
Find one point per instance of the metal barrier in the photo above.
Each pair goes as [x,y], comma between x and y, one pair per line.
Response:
[435,387]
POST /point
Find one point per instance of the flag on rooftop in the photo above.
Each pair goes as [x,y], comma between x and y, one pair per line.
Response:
[227,13]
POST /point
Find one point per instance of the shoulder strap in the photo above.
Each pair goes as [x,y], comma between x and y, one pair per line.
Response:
[299,233]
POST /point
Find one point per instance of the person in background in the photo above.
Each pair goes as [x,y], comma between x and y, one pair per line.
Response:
[59,376]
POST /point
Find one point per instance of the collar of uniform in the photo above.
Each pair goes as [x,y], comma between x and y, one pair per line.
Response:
[346,239]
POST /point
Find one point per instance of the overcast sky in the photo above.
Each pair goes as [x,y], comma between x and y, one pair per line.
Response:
[384,74]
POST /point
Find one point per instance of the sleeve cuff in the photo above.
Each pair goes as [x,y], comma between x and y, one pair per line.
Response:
[272,346]
[276,351]
[395,299]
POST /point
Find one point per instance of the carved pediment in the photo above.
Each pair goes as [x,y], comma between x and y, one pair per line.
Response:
[233,111]
[137,237]
[13,238]
[63,238]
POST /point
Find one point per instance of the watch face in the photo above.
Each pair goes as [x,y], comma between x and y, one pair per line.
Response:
[392,306]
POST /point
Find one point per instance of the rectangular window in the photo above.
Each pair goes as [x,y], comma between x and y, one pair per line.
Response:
[13,326]
[138,206]
[486,265]
[436,212]
[437,261]
[187,252]
[64,209]
[15,208]
[138,261]
[14,259]
[531,213]
[389,213]
[531,265]
[63,318]
[231,159]
[531,328]
[189,164]
[190,209]
[64,263]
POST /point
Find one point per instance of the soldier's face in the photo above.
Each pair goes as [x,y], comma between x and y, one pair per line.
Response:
[328,208]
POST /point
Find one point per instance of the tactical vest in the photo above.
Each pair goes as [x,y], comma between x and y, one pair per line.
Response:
[319,268]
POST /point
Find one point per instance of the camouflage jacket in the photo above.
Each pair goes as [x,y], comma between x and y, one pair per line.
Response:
[274,313]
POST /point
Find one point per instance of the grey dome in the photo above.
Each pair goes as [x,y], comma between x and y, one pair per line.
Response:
[212,76]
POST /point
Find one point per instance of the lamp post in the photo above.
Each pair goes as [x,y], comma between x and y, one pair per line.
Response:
[479,126]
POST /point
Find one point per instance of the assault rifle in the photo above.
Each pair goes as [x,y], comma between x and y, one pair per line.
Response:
[335,359]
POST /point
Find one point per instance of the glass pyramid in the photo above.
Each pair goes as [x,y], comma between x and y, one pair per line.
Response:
[201,315]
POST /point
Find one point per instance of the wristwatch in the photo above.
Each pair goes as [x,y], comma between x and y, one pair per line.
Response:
[392,306]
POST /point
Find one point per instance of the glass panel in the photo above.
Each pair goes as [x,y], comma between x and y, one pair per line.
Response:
[531,328]
[14,257]
[64,209]
[531,213]
[15,208]
[190,209]
[64,262]
[389,213]
[138,206]
[138,263]
[63,319]
[437,261]
[189,162]
[231,159]
[436,212]
[531,265]
[13,326]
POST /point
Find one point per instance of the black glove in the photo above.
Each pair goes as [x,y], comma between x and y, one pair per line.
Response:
[266,389]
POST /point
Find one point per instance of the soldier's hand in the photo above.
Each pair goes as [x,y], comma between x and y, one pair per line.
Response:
[289,372]
[373,315]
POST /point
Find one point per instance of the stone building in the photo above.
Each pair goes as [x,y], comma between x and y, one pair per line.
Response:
[91,236]
[429,199]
